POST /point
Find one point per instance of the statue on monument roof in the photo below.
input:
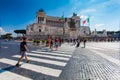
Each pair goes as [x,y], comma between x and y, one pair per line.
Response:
[41,10]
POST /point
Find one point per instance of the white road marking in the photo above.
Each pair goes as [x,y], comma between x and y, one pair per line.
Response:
[5,47]
[48,56]
[12,76]
[57,54]
[44,61]
[36,68]
[65,52]
[58,51]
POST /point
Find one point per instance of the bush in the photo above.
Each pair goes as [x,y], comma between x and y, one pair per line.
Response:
[38,41]
[34,41]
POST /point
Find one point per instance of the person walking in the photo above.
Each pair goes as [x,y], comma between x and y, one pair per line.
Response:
[57,43]
[84,42]
[23,50]
[50,41]
[78,43]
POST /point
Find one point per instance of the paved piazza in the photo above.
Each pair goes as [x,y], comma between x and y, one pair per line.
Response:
[98,61]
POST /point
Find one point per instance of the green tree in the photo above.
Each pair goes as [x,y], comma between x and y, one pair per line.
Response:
[3,36]
[110,32]
[23,32]
[7,36]
[118,32]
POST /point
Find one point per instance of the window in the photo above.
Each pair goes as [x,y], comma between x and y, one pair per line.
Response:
[39,30]
[40,19]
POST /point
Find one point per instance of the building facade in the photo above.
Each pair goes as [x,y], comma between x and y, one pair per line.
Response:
[46,26]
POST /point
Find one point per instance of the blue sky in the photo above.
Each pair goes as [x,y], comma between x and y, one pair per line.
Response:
[17,14]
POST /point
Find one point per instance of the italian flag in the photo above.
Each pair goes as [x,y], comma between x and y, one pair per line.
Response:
[86,21]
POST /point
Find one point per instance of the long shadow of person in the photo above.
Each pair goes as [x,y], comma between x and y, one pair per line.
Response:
[7,69]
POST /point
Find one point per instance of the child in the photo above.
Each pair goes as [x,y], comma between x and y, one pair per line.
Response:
[23,50]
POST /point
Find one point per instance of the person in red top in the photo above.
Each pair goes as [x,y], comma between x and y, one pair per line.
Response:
[57,43]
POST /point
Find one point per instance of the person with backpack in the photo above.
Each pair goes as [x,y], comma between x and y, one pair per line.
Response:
[23,50]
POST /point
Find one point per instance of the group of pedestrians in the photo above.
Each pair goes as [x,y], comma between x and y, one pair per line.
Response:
[54,42]
[24,49]
[77,42]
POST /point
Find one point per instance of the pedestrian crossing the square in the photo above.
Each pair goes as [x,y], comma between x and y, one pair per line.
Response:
[55,58]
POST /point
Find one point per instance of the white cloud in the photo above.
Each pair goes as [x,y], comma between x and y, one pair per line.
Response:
[2,31]
[99,12]
[99,25]
[83,17]
[98,9]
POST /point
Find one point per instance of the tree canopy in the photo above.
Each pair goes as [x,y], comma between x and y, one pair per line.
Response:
[23,32]
[6,36]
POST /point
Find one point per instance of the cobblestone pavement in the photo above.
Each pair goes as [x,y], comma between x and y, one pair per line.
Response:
[108,48]
[87,65]
[98,61]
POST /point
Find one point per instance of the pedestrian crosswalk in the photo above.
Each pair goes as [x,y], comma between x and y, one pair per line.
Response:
[48,56]
[51,53]
[44,61]
[55,58]
[12,76]
[36,68]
